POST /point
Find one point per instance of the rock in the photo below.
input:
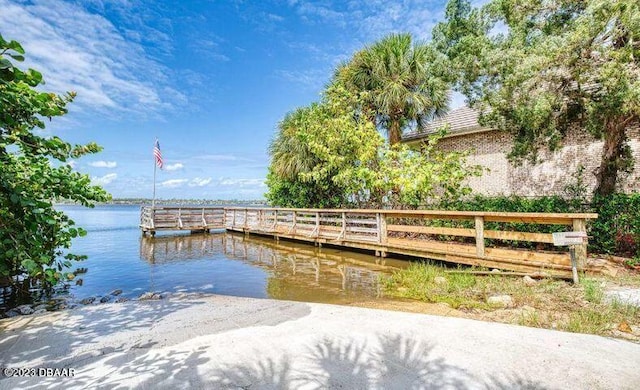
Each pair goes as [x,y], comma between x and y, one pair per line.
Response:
[402,290]
[12,313]
[40,307]
[527,309]
[440,280]
[500,300]
[24,309]
[529,281]
[88,301]
[625,295]
[40,311]
[122,299]
[148,296]
[495,271]
[115,293]
[145,296]
[105,299]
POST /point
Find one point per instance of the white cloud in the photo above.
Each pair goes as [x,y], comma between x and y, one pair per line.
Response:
[106,179]
[275,17]
[104,164]
[314,12]
[173,167]
[210,47]
[72,163]
[173,183]
[82,51]
[199,182]
[242,182]
[310,78]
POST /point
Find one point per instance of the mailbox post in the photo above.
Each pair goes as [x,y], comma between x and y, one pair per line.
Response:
[571,239]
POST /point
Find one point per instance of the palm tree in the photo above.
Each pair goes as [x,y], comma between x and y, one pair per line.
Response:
[400,80]
[290,155]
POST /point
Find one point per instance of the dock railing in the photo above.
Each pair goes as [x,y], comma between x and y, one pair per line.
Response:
[156,218]
[416,233]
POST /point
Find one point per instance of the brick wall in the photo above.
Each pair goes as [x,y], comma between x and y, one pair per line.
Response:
[550,175]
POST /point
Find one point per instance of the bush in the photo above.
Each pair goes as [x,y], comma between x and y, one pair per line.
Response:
[616,231]
[34,172]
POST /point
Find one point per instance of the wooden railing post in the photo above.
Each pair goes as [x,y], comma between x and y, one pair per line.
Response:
[580,225]
[294,219]
[479,236]
[343,233]
[381,221]
[317,224]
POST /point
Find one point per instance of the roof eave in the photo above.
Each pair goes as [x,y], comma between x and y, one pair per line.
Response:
[469,130]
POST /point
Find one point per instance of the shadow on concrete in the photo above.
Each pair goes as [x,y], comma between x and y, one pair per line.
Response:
[382,361]
[67,338]
[388,362]
[385,362]
[512,382]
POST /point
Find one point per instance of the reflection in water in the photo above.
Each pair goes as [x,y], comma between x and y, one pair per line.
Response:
[294,271]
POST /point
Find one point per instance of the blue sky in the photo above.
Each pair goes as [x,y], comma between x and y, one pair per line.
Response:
[210,79]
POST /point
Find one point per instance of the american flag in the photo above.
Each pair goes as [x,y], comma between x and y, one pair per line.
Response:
[157,154]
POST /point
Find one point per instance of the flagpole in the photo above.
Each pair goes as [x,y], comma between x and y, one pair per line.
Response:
[155,165]
[153,201]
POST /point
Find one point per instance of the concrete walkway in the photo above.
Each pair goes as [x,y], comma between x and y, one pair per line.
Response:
[226,342]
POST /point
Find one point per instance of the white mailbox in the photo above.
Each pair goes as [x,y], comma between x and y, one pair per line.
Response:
[569,238]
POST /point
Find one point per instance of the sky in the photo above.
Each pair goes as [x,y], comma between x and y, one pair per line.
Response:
[210,79]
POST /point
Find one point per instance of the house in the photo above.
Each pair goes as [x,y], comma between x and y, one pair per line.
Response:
[555,170]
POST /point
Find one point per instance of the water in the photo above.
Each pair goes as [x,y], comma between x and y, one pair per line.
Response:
[220,263]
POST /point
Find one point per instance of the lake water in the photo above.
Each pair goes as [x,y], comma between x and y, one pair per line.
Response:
[219,262]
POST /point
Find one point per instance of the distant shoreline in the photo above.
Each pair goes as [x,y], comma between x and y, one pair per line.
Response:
[174,202]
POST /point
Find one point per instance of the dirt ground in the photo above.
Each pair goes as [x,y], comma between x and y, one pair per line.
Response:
[549,312]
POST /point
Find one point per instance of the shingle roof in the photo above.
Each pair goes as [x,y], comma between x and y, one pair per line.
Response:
[460,120]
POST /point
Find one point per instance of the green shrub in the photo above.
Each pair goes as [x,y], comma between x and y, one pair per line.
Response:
[616,231]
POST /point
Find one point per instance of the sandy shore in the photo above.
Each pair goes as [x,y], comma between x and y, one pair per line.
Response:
[227,342]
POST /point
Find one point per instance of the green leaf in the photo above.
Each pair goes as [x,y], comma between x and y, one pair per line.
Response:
[13,45]
[17,57]
[5,64]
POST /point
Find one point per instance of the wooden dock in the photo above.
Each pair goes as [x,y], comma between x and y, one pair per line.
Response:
[194,219]
[419,233]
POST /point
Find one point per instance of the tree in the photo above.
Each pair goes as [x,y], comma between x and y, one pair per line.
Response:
[291,159]
[34,237]
[403,81]
[539,68]
[290,154]
[349,164]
